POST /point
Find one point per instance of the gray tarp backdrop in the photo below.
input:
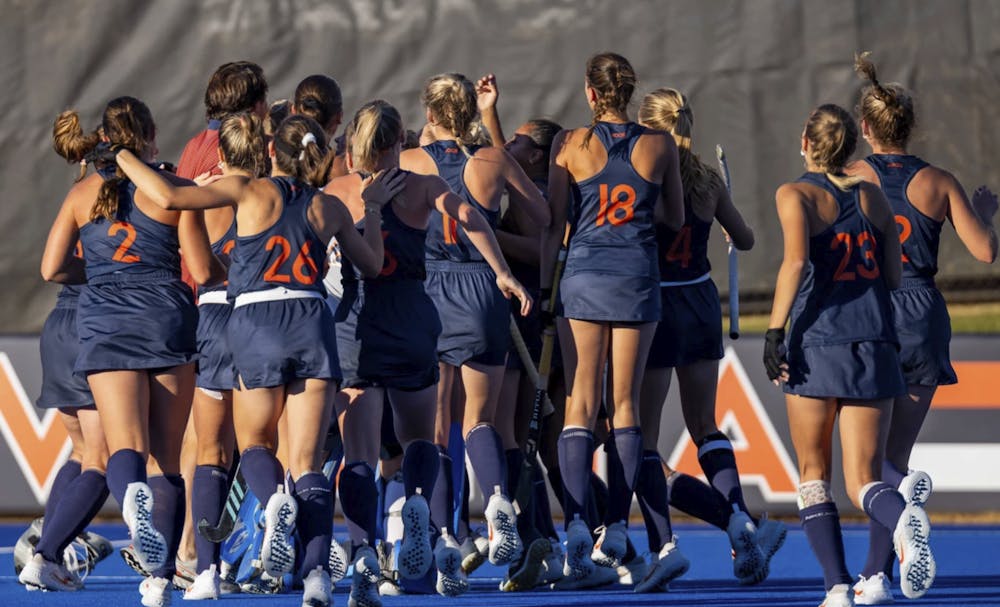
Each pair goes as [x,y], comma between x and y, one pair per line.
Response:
[753,71]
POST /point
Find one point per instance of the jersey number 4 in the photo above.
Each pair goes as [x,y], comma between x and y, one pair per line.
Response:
[303,268]
[618,207]
[868,268]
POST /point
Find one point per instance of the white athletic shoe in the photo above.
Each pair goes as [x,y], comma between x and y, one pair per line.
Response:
[185,573]
[916,563]
[524,573]
[277,554]
[579,566]
[611,545]
[505,543]
[451,580]
[838,596]
[339,561]
[634,569]
[749,563]
[205,586]
[39,574]
[916,487]
[156,592]
[552,566]
[872,590]
[317,590]
[149,547]
[365,579]
[475,550]
[415,554]
[24,549]
[667,565]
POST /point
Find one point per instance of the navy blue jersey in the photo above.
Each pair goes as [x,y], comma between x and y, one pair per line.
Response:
[130,244]
[69,294]
[612,212]
[445,240]
[221,248]
[684,253]
[919,235]
[288,254]
[842,297]
[403,248]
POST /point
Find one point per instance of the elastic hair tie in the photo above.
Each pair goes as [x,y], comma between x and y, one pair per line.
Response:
[306,140]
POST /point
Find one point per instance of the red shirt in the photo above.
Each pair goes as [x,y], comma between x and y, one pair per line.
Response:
[200,155]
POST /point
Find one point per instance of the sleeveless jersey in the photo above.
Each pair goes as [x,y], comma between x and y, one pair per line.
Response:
[684,253]
[842,297]
[919,234]
[404,254]
[221,248]
[69,294]
[288,254]
[446,241]
[612,212]
[131,244]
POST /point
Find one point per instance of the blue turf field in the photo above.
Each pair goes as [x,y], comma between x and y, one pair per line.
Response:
[967,558]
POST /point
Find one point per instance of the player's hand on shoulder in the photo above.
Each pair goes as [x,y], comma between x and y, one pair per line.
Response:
[380,188]
[510,286]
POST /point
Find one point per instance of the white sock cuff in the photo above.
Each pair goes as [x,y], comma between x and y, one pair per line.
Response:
[812,493]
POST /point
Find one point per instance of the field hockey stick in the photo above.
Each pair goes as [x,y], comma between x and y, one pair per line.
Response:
[734,267]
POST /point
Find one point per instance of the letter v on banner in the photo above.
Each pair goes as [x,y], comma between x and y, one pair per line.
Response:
[39,446]
[760,455]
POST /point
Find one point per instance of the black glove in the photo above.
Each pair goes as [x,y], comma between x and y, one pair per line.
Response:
[104,153]
[544,298]
[774,352]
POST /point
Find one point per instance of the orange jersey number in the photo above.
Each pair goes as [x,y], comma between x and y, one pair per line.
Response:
[905,229]
[680,248]
[450,228]
[868,268]
[619,207]
[303,268]
[122,253]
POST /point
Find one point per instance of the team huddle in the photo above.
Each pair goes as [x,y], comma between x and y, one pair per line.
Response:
[288,315]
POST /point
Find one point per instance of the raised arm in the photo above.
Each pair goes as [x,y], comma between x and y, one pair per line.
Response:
[487,94]
[481,235]
[974,221]
[204,266]
[173,197]
[59,264]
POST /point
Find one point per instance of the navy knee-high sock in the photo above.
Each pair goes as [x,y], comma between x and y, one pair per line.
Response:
[891,474]
[359,499]
[66,475]
[207,500]
[485,450]
[81,500]
[693,497]
[651,491]
[883,503]
[459,482]
[262,472]
[420,468]
[543,511]
[821,524]
[443,500]
[315,520]
[715,454]
[125,466]
[462,516]
[624,449]
[168,517]
[576,446]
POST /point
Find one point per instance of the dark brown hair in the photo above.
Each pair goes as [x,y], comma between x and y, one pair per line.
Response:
[70,142]
[298,154]
[319,98]
[887,108]
[234,87]
[832,137]
[613,79]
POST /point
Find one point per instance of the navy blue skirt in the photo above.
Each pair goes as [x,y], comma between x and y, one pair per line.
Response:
[474,315]
[59,345]
[924,330]
[610,298]
[276,342]
[866,370]
[215,359]
[132,324]
[690,326]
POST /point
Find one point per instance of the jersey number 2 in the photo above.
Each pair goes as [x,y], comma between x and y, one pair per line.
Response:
[122,253]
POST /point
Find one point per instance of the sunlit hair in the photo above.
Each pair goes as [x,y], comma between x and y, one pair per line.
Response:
[71,142]
[129,123]
[451,100]
[613,79]
[299,155]
[234,87]
[375,127]
[832,137]
[667,109]
[887,108]
[319,98]
[241,139]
